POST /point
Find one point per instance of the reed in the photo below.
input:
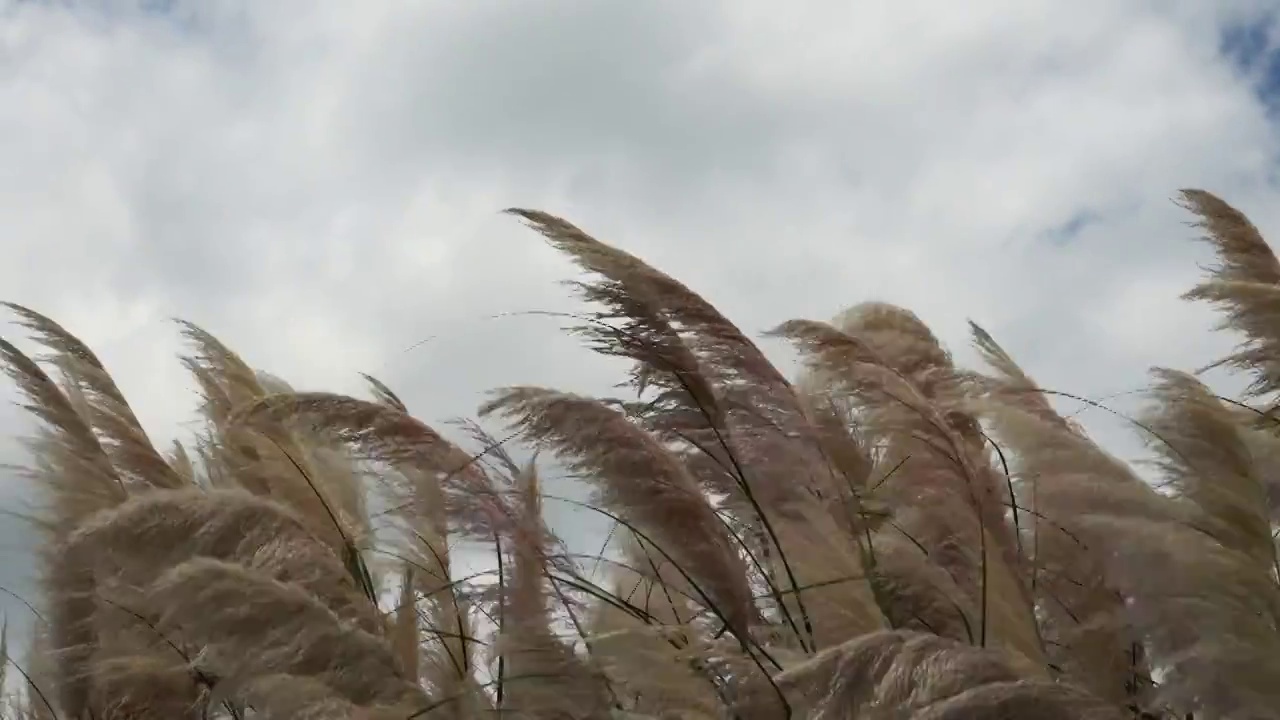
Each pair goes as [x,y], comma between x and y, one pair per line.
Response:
[887,535]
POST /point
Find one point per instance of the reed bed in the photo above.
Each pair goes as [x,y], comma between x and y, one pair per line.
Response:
[885,536]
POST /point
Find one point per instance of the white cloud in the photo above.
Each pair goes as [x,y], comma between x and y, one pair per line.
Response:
[319,183]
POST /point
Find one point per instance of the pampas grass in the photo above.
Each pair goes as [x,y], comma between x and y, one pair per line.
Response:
[887,535]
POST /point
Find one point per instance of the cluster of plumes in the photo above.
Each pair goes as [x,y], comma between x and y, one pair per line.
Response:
[889,536]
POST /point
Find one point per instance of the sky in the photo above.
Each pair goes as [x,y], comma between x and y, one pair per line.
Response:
[320,183]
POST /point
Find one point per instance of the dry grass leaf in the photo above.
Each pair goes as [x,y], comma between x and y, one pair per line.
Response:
[542,676]
[147,687]
[248,624]
[1207,462]
[1062,478]
[644,484]
[726,397]
[70,461]
[959,517]
[1205,614]
[896,674]
[831,580]
[1245,286]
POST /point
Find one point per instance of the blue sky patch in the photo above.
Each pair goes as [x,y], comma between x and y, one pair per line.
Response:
[1254,50]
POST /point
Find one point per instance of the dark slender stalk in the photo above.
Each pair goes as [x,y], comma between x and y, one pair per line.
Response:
[502,593]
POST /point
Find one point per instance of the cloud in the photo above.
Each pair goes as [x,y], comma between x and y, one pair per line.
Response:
[319,183]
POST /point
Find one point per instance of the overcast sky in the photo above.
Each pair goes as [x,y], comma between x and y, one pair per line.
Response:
[319,183]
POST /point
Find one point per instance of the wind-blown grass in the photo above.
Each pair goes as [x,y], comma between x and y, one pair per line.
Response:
[887,535]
